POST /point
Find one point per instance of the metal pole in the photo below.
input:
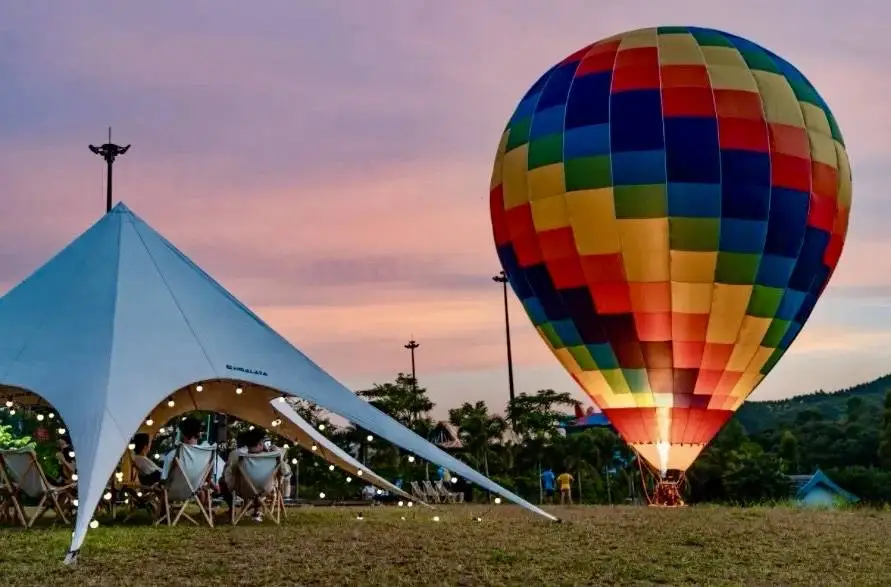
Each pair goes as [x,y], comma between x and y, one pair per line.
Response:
[109,151]
[502,279]
[411,346]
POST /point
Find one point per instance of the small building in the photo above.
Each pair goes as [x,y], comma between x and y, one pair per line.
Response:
[818,490]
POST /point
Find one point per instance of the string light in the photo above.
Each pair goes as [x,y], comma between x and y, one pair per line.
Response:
[40,417]
[349,479]
[12,412]
[410,504]
[149,422]
[369,438]
[401,503]
[315,448]
[294,461]
[138,494]
[94,524]
[170,403]
[107,496]
[281,399]
[9,403]
[162,430]
[497,500]
[74,478]
[435,518]
[131,446]
[51,415]
[285,447]
[238,391]
[70,454]
[454,479]
[61,431]
[276,423]
[322,495]
[411,458]
[330,467]
[359,473]
[119,476]
[250,427]
[322,427]
[74,502]
[157,457]
[199,388]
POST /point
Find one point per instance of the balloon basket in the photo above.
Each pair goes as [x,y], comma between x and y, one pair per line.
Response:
[666,489]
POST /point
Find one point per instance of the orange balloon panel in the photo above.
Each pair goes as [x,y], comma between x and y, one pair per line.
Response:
[669,204]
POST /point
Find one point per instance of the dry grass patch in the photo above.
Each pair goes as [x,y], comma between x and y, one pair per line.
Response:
[596,545]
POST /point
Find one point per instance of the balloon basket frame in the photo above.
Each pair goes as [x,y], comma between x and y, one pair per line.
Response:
[666,492]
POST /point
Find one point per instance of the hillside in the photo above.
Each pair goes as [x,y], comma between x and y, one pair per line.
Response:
[758,416]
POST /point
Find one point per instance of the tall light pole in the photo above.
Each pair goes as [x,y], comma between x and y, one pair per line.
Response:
[502,279]
[109,151]
[411,346]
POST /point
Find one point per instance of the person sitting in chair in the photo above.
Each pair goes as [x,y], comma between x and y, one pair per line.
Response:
[190,433]
[248,442]
[65,461]
[148,472]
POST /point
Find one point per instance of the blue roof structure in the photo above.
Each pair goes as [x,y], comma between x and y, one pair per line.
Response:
[804,484]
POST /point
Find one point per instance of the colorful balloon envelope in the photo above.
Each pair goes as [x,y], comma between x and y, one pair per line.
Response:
[669,204]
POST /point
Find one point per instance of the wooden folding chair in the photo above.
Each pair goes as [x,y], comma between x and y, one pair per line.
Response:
[258,478]
[446,494]
[26,477]
[187,482]
[431,493]
[11,510]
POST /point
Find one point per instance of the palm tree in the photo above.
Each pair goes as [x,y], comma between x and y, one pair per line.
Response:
[478,429]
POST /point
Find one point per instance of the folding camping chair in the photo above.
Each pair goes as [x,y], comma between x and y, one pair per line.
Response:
[417,491]
[187,482]
[446,495]
[431,492]
[258,477]
[26,477]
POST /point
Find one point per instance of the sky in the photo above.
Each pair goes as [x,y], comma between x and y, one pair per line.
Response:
[329,163]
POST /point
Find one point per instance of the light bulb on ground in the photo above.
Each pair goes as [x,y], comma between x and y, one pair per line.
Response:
[359,517]
[94,524]
[199,388]
[402,518]
[410,504]
[369,438]
[497,500]
[478,519]
[322,495]
[411,458]
[435,518]
[238,391]
[401,503]
[330,467]
[40,417]
[170,403]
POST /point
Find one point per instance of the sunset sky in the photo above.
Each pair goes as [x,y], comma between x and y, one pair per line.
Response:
[329,162]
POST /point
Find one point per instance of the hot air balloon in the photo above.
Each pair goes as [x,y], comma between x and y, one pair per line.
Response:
[669,204]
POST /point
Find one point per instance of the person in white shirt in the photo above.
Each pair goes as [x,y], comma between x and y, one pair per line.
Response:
[149,473]
[249,442]
[190,433]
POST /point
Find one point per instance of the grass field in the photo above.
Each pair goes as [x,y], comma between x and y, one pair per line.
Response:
[595,545]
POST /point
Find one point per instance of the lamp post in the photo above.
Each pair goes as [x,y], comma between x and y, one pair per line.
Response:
[109,151]
[411,346]
[502,279]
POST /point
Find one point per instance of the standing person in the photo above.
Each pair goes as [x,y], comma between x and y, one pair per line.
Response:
[564,481]
[547,483]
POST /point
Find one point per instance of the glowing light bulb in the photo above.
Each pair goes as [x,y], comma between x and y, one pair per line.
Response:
[402,518]
[170,403]
[199,388]
[294,461]
[149,422]
[349,479]
[281,399]
[126,501]
[70,454]
[238,391]
[410,504]
[321,427]
[12,412]
[380,491]
[401,503]
[369,438]
[51,415]
[74,478]
[61,431]
[322,495]
[131,446]
[411,458]
[94,524]
[497,500]
[119,477]
[157,457]
[162,430]
[138,494]
[359,473]
[9,404]
[74,502]
[454,479]
[435,518]
[250,427]
[285,447]
[107,496]
[330,467]
[478,519]
[315,448]
[359,517]
[40,417]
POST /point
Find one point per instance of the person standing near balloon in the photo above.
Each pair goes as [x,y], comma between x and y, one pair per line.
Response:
[547,483]
[564,481]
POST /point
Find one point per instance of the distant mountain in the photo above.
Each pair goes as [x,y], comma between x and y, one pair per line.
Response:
[759,416]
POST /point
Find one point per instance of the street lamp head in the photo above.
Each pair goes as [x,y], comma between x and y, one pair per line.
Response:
[500,278]
[412,344]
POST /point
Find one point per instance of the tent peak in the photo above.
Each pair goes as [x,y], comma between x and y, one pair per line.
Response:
[121,208]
